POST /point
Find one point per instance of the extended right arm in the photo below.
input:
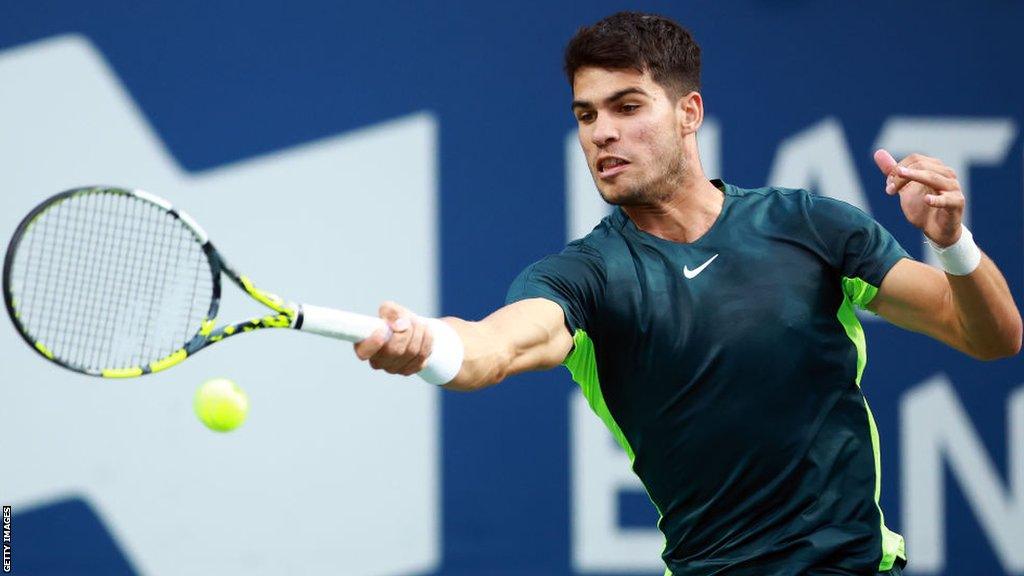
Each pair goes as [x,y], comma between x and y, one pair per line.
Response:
[523,336]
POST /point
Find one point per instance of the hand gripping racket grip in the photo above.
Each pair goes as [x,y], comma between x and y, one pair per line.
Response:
[445,359]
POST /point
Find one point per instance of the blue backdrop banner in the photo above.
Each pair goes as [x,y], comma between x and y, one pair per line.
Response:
[348,153]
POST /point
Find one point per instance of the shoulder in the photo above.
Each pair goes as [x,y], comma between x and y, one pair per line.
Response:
[606,239]
[771,203]
[775,197]
[579,261]
[799,204]
[574,278]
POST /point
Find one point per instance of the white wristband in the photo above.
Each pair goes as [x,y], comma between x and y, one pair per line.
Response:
[960,258]
[446,355]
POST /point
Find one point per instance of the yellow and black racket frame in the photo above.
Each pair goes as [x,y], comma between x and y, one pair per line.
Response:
[286,315]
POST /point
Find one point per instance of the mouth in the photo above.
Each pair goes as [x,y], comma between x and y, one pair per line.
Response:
[609,166]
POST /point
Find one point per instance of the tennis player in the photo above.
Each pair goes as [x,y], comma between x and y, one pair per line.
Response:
[712,328]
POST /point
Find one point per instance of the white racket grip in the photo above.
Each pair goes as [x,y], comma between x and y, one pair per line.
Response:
[338,324]
[441,367]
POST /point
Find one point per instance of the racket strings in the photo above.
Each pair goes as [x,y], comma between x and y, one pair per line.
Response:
[105,280]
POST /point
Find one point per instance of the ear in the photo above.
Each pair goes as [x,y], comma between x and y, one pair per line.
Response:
[689,113]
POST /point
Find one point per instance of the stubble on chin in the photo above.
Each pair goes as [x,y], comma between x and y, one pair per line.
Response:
[645,193]
[635,196]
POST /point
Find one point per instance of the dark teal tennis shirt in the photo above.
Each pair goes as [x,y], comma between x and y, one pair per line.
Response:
[729,370]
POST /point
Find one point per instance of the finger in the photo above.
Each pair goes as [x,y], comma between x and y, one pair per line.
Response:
[933,165]
[414,352]
[393,356]
[401,324]
[887,164]
[366,348]
[411,351]
[391,311]
[884,160]
[929,178]
[426,349]
[915,158]
[947,200]
[895,182]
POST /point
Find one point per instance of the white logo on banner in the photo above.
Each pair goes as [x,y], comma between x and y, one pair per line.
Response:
[337,464]
[937,433]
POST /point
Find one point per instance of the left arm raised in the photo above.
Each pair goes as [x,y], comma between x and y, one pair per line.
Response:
[970,309]
[975,313]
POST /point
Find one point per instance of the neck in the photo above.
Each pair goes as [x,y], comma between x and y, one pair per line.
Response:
[684,216]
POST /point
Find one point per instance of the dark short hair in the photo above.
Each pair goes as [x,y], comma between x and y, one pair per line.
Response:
[642,42]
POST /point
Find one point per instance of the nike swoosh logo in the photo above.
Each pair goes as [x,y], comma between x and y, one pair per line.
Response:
[691,274]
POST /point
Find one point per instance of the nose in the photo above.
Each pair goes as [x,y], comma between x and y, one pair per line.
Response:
[604,131]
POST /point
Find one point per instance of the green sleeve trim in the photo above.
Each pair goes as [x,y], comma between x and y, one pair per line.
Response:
[859,292]
[855,289]
[582,364]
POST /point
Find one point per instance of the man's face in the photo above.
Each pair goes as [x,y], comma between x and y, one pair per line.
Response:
[628,130]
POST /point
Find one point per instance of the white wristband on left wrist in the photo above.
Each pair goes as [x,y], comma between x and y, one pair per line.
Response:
[960,258]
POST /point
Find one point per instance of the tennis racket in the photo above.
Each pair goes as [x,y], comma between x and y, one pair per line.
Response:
[117,283]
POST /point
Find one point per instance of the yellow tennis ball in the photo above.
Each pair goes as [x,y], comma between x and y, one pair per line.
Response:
[221,405]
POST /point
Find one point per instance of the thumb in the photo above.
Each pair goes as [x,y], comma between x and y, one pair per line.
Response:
[886,163]
[397,317]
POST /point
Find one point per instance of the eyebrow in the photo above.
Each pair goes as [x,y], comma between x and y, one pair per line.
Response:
[616,96]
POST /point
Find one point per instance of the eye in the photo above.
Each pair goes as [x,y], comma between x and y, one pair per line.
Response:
[584,116]
[629,108]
